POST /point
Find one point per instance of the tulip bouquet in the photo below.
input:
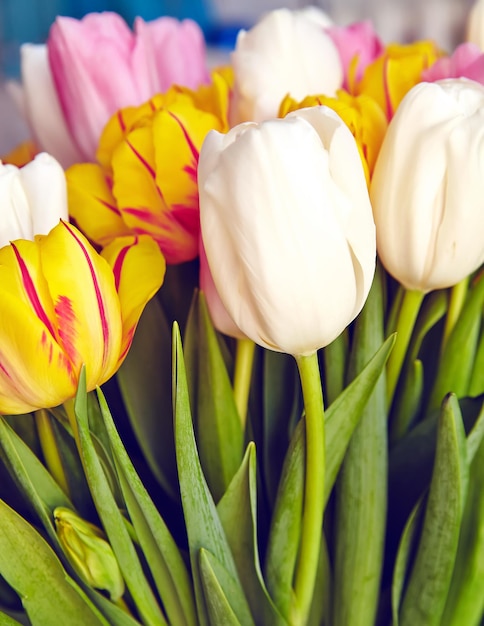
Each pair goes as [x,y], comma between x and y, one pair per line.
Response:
[242,338]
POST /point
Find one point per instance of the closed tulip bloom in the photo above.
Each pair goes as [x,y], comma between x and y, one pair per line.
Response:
[285,53]
[427,186]
[287,228]
[33,198]
[63,305]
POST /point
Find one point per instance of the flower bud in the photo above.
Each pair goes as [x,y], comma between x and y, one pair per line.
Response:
[427,186]
[89,552]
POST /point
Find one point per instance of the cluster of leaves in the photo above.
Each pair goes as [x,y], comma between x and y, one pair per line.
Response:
[204,516]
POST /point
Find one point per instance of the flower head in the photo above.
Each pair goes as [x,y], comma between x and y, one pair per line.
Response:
[287,228]
[285,53]
[427,186]
[146,182]
[63,306]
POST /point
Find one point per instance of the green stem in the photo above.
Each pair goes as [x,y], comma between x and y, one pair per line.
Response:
[312,519]
[244,359]
[407,317]
[50,450]
[458,295]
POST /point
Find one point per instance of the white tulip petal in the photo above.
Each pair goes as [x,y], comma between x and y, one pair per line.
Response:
[15,220]
[42,106]
[44,183]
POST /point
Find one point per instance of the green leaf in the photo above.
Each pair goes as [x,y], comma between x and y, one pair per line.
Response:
[45,495]
[404,557]
[476,384]
[220,437]
[30,566]
[409,401]
[429,581]
[344,414]
[238,513]
[457,361]
[111,518]
[361,488]
[285,532]
[282,407]
[465,601]
[203,525]
[335,357]
[218,587]
[145,384]
[160,550]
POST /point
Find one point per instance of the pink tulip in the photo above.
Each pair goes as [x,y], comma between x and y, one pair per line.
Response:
[467,61]
[99,66]
[356,40]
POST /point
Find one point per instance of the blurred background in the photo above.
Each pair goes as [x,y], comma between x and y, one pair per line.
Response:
[402,20]
[395,20]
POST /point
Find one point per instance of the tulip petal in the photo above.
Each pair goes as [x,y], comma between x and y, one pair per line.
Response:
[139,270]
[82,288]
[175,51]
[92,205]
[43,109]
[44,183]
[142,202]
[34,370]
[15,220]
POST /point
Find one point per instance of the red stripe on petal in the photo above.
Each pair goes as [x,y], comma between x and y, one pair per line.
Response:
[31,292]
[97,290]
[188,139]
[122,125]
[142,160]
[118,264]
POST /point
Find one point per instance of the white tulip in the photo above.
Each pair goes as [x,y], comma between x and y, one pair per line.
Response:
[287,228]
[285,53]
[428,186]
[33,198]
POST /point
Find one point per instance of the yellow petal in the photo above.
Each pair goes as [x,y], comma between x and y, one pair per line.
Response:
[121,124]
[34,370]
[21,154]
[395,72]
[139,270]
[92,205]
[87,308]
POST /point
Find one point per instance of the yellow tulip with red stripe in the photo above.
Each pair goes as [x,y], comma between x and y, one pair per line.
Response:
[64,305]
[145,181]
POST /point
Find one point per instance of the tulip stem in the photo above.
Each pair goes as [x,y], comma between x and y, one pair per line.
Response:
[458,295]
[312,519]
[50,449]
[244,359]
[412,300]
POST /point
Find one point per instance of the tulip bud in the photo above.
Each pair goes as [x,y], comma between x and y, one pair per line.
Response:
[287,228]
[427,186]
[286,52]
[33,198]
[89,552]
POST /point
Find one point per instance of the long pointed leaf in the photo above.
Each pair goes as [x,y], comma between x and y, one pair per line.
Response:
[203,525]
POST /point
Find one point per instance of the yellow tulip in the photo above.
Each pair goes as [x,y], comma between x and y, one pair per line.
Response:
[145,181]
[63,305]
[395,72]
